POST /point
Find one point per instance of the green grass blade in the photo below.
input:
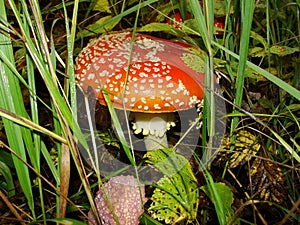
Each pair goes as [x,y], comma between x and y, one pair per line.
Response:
[29,124]
[279,82]
[11,99]
[118,128]
[34,152]
[205,25]
[215,196]
[39,61]
[247,9]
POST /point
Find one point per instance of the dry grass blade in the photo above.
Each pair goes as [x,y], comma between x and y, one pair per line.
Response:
[42,178]
[29,124]
[64,178]
[11,208]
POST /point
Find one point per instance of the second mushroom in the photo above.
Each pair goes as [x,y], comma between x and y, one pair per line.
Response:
[146,75]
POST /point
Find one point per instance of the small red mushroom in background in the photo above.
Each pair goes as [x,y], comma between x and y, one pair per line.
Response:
[149,78]
[175,19]
[124,194]
[219,24]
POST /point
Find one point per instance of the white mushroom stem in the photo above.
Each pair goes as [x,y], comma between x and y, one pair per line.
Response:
[154,127]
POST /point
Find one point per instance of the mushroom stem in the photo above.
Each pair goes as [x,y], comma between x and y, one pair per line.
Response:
[153,142]
[154,128]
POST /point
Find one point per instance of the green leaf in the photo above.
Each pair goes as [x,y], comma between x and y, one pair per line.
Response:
[283,50]
[117,18]
[257,52]
[220,8]
[147,220]
[259,38]
[5,172]
[226,198]
[175,197]
[102,6]
[155,27]
[195,62]
[104,24]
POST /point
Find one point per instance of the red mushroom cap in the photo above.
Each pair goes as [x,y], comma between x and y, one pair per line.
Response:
[158,79]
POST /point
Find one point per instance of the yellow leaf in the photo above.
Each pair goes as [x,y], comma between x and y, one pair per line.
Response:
[102,6]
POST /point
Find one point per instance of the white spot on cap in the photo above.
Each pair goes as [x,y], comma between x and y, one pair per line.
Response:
[91,76]
[96,66]
[102,60]
[168,78]
[142,74]
[143,100]
[104,73]
[147,69]
[136,65]
[156,106]
[156,69]
[170,85]
[119,76]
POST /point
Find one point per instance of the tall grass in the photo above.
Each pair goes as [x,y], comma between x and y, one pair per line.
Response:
[23,139]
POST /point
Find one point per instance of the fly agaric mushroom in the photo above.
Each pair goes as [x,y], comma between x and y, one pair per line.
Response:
[149,78]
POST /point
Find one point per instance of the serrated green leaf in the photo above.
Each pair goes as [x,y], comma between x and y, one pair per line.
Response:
[283,50]
[175,197]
